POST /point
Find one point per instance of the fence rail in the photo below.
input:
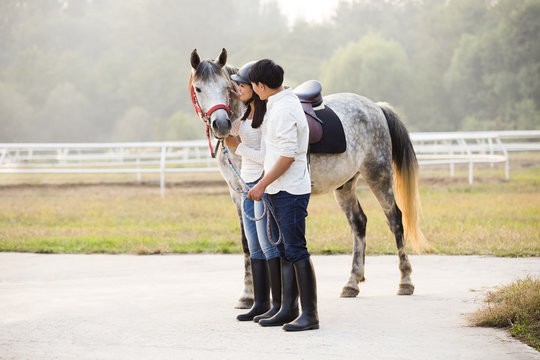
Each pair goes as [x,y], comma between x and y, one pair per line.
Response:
[436,148]
[432,148]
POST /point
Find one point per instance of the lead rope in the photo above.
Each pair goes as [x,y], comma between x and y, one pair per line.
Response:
[212,152]
[266,204]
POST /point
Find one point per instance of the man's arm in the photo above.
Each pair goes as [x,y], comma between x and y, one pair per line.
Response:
[282,164]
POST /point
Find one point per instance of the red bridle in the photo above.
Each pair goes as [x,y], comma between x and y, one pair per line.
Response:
[205,116]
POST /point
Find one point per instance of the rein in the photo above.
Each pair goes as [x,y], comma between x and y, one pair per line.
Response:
[205,116]
[266,204]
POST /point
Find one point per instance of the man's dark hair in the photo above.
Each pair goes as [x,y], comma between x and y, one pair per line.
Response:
[267,72]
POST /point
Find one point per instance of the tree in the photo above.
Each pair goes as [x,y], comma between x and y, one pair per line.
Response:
[65,117]
[135,125]
[15,115]
[494,75]
[446,64]
[180,126]
[374,67]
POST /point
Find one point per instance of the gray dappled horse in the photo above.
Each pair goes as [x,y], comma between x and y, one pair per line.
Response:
[378,149]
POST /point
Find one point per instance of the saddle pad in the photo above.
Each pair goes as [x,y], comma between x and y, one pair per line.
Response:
[333,136]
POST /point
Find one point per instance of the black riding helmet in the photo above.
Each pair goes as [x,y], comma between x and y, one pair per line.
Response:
[243,74]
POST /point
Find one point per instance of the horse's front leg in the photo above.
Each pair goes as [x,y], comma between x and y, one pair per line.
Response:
[347,200]
[246,298]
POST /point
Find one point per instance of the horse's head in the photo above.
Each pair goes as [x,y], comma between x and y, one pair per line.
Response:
[210,88]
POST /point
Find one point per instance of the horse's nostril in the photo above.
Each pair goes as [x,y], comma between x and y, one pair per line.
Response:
[215,125]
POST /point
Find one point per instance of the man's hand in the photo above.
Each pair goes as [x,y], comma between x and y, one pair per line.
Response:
[256,192]
[279,168]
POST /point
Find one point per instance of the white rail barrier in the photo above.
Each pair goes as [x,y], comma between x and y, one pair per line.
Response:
[81,158]
[193,156]
[436,148]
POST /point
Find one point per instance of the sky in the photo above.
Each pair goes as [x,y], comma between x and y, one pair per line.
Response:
[309,10]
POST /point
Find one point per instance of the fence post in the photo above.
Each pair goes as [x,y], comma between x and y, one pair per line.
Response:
[463,143]
[4,152]
[507,162]
[138,167]
[162,170]
[452,167]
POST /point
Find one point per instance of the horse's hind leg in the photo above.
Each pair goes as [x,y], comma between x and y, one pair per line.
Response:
[347,200]
[381,186]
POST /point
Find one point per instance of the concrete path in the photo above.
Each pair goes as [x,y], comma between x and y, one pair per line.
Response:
[181,307]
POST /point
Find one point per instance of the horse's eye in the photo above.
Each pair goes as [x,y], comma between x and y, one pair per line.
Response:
[197,89]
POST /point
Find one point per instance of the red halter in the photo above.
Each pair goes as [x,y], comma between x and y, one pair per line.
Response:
[205,116]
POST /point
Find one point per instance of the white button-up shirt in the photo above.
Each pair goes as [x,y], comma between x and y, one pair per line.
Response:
[286,134]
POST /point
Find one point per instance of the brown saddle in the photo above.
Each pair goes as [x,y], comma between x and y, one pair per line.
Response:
[310,97]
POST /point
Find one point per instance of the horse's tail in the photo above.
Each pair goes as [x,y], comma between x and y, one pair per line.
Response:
[405,178]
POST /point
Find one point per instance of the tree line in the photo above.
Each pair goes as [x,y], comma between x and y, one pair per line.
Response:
[96,70]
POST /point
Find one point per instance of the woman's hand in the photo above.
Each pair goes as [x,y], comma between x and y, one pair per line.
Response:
[235,89]
[232,141]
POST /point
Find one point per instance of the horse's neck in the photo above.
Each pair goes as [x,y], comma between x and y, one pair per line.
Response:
[226,169]
[237,108]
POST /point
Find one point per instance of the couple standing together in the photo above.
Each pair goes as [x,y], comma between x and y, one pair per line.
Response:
[275,135]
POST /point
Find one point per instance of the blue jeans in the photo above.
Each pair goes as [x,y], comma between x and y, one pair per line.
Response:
[291,212]
[259,246]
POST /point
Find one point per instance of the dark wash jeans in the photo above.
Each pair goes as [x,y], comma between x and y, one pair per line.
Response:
[291,212]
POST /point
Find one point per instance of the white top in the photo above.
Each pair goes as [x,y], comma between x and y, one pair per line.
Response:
[286,133]
[250,149]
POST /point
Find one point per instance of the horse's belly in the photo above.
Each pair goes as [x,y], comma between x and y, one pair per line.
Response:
[329,172]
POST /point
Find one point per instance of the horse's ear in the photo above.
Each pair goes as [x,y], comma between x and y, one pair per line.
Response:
[222,58]
[195,59]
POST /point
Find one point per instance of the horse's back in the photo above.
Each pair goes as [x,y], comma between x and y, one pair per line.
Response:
[356,112]
[367,136]
[364,123]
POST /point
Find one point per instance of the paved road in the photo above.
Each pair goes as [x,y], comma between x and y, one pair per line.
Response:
[181,307]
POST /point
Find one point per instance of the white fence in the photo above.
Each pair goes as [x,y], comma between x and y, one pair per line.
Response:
[117,158]
[436,148]
[193,156]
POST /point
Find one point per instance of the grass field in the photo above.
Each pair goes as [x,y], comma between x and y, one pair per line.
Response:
[491,217]
[515,306]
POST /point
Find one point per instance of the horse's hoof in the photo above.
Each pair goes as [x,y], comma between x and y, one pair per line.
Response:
[405,289]
[349,292]
[244,304]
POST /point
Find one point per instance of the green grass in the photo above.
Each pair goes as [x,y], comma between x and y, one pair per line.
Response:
[494,217]
[516,307]
[498,218]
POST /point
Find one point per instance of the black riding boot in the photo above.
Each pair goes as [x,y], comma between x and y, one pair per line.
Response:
[309,319]
[261,290]
[274,267]
[289,297]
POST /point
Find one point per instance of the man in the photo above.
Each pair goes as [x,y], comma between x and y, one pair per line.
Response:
[288,185]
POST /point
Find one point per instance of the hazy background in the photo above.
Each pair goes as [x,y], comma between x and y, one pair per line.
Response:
[98,70]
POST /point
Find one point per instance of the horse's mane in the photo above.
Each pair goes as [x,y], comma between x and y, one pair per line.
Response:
[230,70]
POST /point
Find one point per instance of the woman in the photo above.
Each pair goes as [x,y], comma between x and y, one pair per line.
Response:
[264,256]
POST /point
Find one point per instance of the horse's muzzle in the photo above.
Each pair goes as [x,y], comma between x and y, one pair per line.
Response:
[221,125]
